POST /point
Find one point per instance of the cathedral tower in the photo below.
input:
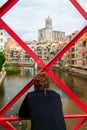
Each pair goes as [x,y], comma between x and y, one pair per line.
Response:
[45,34]
[48,23]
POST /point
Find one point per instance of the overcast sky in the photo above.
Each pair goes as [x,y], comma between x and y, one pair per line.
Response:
[27,16]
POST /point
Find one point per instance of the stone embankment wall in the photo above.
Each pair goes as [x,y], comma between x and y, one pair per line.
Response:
[73,71]
[2,76]
[79,71]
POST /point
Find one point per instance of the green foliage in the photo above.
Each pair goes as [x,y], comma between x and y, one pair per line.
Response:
[2,60]
[8,65]
[11,69]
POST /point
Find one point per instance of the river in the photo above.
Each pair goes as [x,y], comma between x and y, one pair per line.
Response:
[14,83]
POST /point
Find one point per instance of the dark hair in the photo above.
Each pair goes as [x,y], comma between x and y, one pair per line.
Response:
[41,81]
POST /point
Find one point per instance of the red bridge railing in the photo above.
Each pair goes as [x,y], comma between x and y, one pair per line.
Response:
[4,121]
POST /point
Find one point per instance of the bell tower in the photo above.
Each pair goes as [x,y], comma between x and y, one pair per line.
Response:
[48,23]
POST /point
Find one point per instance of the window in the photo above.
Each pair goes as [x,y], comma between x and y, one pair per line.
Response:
[1,40]
[1,33]
[73,49]
[72,62]
[83,62]
[83,55]
[73,55]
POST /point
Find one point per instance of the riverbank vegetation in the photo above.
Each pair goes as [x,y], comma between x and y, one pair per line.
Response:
[11,69]
[2,60]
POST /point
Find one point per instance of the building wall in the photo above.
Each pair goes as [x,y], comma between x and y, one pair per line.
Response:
[58,36]
[78,53]
[1,39]
[12,50]
[42,35]
[48,34]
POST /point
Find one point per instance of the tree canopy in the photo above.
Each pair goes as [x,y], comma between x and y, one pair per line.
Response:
[2,60]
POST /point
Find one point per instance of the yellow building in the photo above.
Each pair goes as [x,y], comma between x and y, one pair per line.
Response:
[78,52]
[12,50]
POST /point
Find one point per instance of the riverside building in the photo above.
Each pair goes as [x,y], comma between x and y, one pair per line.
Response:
[1,39]
[77,54]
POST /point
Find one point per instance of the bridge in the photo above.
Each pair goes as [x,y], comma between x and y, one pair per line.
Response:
[4,121]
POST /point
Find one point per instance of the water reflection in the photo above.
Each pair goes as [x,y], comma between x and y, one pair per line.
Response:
[13,84]
[29,69]
[76,83]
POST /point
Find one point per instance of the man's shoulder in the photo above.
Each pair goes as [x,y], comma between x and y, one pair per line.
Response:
[31,93]
[43,92]
[54,93]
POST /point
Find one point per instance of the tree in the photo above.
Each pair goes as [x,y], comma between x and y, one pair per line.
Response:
[2,60]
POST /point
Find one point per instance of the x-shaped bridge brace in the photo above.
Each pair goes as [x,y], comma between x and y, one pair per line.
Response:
[4,121]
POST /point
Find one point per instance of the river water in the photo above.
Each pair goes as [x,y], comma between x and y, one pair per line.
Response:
[14,83]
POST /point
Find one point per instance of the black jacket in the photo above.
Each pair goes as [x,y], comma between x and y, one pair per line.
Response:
[44,108]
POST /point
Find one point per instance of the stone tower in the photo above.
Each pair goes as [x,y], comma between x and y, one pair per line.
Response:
[48,23]
[45,34]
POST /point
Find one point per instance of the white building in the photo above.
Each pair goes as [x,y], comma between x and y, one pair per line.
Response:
[1,39]
[27,57]
[48,34]
[45,34]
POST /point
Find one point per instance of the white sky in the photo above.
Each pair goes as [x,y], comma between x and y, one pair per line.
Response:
[27,16]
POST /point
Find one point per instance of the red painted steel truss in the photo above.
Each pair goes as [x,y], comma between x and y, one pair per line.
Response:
[4,121]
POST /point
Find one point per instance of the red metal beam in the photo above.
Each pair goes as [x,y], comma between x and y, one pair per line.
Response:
[67,47]
[51,74]
[79,8]
[82,121]
[33,55]
[7,6]
[58,81]
[84,14]
[3,10]
[16,118]
[21,43]
[7,125]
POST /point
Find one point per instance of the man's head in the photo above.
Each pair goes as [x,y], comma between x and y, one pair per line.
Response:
[41,81]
